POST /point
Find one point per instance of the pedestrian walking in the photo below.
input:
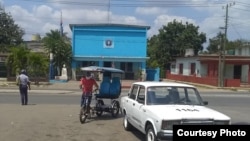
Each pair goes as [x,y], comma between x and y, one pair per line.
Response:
[24,84]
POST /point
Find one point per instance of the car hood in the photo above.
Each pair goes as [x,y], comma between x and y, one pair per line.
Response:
[175,112]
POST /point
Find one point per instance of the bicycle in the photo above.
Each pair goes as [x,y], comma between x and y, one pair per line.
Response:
[86,111]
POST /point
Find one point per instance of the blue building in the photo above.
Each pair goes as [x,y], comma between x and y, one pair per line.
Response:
[110,45]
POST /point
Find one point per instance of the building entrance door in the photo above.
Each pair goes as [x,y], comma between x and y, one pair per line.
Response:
[237,71]
[107,64]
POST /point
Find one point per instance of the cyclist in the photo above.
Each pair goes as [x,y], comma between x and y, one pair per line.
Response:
[87,83]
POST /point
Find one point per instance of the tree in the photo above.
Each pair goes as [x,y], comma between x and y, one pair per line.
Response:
[38,65]
[172,41]
[236,44]
[10,33]
[17,59]
[152,47]
[215,43]
[218,41]
[60,47]
[21,58]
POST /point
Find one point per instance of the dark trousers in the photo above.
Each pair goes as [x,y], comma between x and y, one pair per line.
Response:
[86,100]
[24,94]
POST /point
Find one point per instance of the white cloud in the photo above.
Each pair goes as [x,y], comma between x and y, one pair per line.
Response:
[42,11]
[80,4]
[150,10]
[122,19]
[164,20]
[42,18]
[1,2]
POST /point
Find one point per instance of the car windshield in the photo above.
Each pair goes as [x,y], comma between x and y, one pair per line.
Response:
[173,95]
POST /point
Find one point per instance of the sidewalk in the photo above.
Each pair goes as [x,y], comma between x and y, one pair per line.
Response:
[74,86]
[46,87]
[70,85]
[209,87]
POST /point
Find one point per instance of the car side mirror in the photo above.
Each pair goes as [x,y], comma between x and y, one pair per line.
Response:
[205,102]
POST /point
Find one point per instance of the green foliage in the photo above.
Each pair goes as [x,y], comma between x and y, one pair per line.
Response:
[17,59]
[215,43]
[235,44]
[151,51]
[38,64]
[60,46]
[10,33]
[21,58]
[219,41]
[172,41]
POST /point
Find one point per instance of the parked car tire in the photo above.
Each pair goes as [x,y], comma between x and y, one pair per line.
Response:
[126,124]
[150,133]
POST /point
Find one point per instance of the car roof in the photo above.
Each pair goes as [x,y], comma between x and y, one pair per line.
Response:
[157,83]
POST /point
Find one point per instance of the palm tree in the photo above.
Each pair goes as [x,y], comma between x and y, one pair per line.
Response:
[60,47]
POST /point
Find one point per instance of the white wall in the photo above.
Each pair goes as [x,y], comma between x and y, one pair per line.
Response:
[229,69]
[186,61]
[203,70]
[244,51]
[244,73]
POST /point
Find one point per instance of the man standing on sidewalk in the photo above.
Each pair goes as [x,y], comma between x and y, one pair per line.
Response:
[24,84]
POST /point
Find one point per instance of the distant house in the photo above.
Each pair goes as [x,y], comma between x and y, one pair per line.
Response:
[109,45]
[35,44]
[204,69]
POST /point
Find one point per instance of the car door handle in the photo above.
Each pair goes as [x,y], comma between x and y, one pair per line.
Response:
[133,104]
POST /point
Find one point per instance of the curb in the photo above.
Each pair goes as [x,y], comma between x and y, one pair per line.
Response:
[39,91]
[240,89]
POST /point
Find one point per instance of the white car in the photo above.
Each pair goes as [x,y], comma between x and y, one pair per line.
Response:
[154,107]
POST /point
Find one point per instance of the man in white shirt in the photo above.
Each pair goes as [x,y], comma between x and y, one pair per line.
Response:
[24,84]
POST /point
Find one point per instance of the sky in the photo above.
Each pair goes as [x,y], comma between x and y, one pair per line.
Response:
[41,16]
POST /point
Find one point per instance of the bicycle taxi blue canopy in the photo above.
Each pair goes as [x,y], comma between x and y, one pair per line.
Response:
[110,86]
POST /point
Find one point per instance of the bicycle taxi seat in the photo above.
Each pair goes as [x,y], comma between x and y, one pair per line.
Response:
[110,89]
[110,86]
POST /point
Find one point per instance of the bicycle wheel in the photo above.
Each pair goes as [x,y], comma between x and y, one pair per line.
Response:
[99,110]
[83,116]
[115,108]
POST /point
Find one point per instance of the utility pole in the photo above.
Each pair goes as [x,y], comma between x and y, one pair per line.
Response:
[223,64]
[219,62]
[108,12]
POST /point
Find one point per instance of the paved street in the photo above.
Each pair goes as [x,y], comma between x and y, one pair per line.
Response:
[52,113]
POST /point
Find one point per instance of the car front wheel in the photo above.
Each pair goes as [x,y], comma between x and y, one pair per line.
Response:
[150,134]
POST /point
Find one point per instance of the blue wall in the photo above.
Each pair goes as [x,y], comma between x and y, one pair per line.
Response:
[127,41]
[129,45]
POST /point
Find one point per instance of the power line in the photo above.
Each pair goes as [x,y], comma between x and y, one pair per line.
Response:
[242,9]
[147,3]
[236,31]
[243,3]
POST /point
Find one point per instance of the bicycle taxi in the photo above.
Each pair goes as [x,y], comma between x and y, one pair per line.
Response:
[109,88]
